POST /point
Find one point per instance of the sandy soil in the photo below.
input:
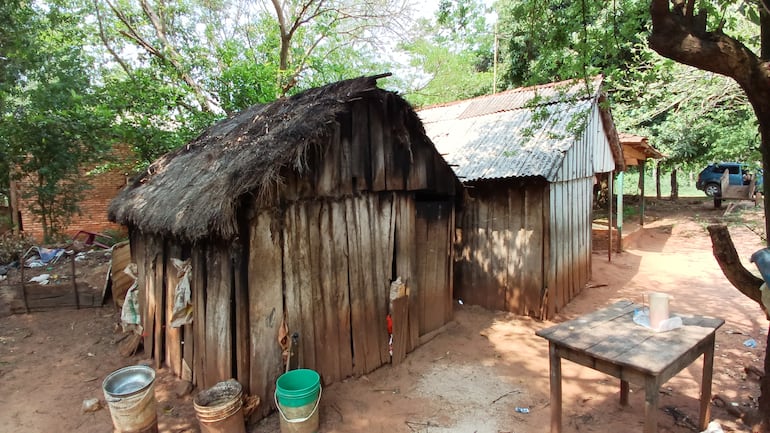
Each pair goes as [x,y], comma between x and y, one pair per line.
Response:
[467,379]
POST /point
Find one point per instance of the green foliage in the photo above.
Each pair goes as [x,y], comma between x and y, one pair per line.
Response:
[53,121]
[554,40]
[451,56]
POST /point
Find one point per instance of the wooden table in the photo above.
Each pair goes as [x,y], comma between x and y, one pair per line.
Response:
[609,341]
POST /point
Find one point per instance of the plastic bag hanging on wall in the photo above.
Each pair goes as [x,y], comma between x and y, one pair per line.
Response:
[129,314]
[182,313]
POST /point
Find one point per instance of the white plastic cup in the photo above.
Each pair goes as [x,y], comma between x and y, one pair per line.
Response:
[658,308]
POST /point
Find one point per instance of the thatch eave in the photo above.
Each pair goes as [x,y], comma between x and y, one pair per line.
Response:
[195,191]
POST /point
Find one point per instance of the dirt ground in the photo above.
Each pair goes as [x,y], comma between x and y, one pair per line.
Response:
[467,379]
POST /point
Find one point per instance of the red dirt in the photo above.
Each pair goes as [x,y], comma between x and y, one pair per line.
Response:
[467,379]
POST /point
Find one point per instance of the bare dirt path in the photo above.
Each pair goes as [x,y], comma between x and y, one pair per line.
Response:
[468,379]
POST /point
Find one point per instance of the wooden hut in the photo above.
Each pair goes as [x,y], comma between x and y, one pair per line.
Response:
[528,158]
[296,216]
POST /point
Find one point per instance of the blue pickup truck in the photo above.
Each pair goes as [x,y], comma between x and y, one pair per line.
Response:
[740,174]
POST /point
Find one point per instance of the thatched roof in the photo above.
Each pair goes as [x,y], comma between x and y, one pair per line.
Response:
[195,191]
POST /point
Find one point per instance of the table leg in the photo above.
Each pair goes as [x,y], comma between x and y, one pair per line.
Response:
[624,392]
[555,367]
[705,385]
[651,405]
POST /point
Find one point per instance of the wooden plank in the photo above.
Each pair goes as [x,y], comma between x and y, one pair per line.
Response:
[452,251]
[173,352]
[383,248]
[422,270]
[517,250]
[533,277]
[414,290]
[372,323]
[160,303]
[377,145]
[139,249]
[121,257]
[400,316]
[292,274]
[418,173]
[328,165]
[431,231]
[198,285]
[484,282]
[339,297]
[361,160]
[396,156]
[307,216]
[590,320]
[549,306]
[357,307]
[468,289]
[149,318]
[327,335]
[324,350]
[265,292]
[346,158]
[240,289]
[55,296]
[219,326]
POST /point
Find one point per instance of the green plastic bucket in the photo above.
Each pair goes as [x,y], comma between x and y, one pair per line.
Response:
[297,396]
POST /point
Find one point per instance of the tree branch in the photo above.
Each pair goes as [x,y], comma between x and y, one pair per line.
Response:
[727,257]
[106,42]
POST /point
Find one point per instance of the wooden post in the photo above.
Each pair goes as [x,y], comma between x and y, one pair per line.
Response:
[23,289]
[610,181]
[619,211]
[641,193]
[74,282]
[555,364]
[14,205]
[651,404]
[624,392]
[705,384]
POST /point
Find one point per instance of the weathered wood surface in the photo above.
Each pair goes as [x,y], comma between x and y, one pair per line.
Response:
[239,261]
[400,316]
[121,257]
[219,327]
[611,335]
[503,261]
[737,192]
[173,346]
[51,296]
[265,292]
[320,259]
[198,285]
[434,255]
[609,341]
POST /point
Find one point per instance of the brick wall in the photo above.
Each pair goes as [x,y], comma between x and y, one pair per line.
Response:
[93,208]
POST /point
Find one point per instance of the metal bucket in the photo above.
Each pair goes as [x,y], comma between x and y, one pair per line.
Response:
[219,409]
[130,395]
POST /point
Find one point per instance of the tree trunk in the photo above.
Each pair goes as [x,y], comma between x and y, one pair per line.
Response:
[657,180]
[674,185]
[679,33]
[748,284]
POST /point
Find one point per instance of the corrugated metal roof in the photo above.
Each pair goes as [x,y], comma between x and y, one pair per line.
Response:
[517,133]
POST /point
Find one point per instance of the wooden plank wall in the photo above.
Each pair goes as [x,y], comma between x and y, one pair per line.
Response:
[501,260]
[337,269]
[370,150]
[433,242]
[320,262]
[570,244]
